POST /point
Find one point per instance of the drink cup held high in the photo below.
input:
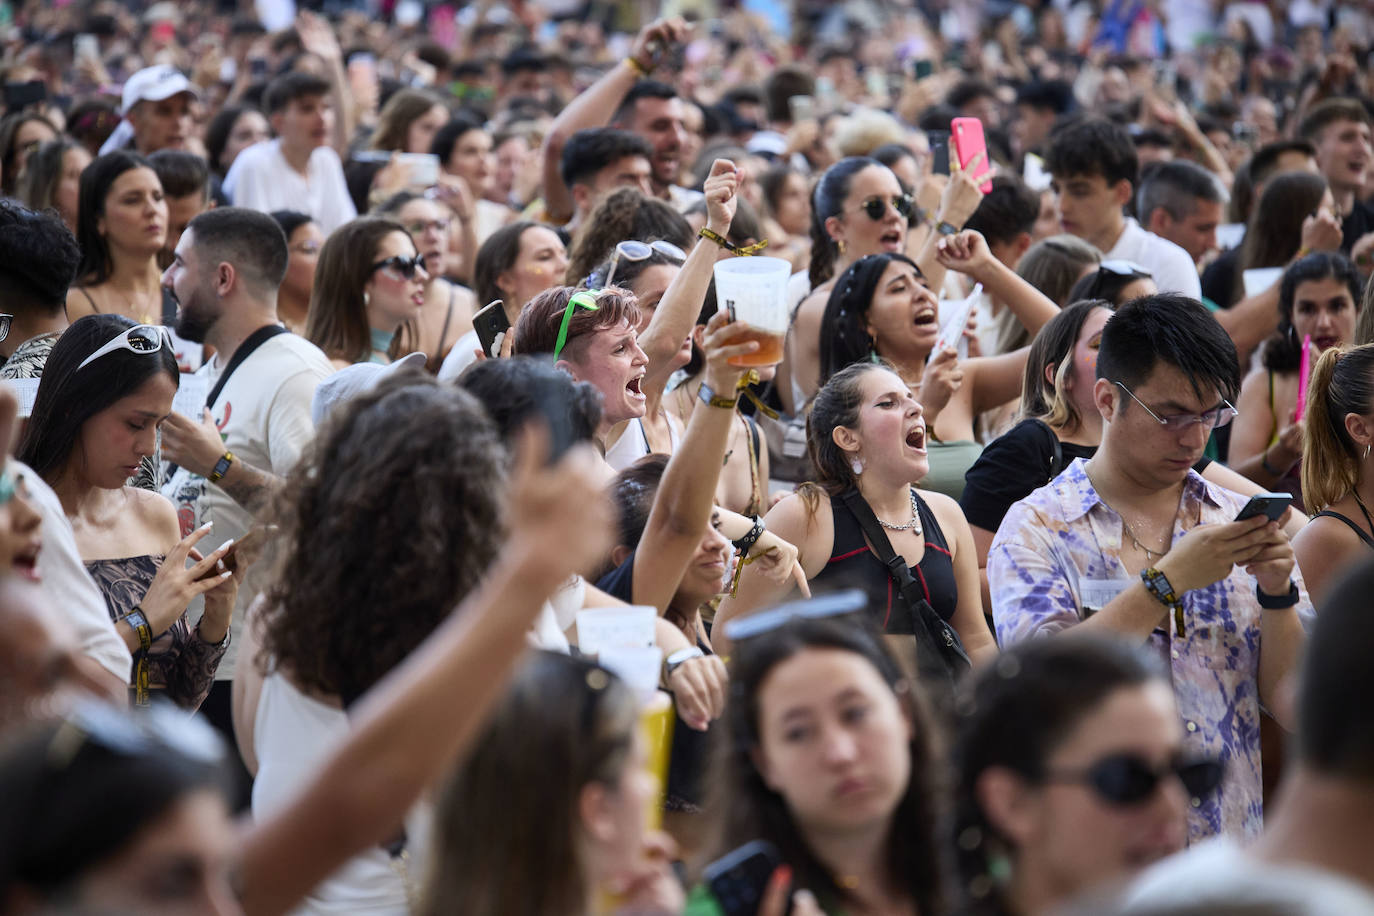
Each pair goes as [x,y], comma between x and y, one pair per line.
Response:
[754,290]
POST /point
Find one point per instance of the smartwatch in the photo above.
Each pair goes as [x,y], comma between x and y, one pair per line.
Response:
[676,660]
[221,467]
[1278,602]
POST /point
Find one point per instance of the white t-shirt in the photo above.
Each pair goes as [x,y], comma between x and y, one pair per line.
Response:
[1173,269]
[68,587]
[261,179]
[263,413]
[1220,874]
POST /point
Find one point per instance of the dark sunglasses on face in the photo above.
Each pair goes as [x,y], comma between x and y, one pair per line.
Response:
[1126,779]
[406,267]
[876,207]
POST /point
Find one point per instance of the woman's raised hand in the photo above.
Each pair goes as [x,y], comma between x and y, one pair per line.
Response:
[722,195]
[966,252]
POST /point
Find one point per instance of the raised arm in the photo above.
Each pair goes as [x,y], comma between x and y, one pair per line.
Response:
[412,727]
[677,312]
[595,106]
[686,495]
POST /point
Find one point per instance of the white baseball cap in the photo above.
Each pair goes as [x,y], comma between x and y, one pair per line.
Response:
[153,84]
[351,381]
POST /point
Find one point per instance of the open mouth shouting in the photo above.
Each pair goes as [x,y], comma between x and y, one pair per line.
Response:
[916,438]
[632,386]
[891,240]
[926,318]
[26,561]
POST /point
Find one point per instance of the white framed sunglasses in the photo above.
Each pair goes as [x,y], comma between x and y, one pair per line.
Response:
[143,338]
[638,251]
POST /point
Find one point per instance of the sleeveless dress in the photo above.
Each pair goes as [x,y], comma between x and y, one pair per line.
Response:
[180,663]
[853,564]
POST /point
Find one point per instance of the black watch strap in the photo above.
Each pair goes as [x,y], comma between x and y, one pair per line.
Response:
[1278,602]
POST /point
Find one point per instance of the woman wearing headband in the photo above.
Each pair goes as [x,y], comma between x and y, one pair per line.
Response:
[107,387]
[369,281]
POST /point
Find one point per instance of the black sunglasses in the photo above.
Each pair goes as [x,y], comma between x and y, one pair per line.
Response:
[876,207]
[1125,779]
[406,267]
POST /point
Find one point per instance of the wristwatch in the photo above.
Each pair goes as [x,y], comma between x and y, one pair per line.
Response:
[945,227]
[674,661]
[1165,594]
[1277,602]
[221,467]
[710,398]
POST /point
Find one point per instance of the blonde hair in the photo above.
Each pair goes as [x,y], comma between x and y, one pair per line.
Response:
[1341,383]
[866,130]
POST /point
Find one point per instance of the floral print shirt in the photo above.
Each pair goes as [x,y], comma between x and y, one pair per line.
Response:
[1056,559]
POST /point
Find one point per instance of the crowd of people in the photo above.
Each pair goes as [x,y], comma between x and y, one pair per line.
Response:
[403,512]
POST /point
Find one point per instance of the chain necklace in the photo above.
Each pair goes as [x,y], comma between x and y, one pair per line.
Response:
[1150,555]
[913,525]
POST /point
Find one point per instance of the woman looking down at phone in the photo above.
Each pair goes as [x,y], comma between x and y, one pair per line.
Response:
[882,308]
[369,281]
[867,438]
[832,760]
[107,387]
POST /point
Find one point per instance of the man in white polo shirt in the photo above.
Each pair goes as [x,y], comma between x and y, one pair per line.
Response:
[298,170]
[1095,167]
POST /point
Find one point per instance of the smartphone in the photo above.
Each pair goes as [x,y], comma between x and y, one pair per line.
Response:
[801,107]
[967,136]
[22,95]
[550,403]
[86,47]
[922,68]
[490,321]
[739,879]
[1272,505]
[939,151]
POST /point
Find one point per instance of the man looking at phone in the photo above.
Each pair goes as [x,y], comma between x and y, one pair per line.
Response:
[298,170]
[642,106]
[1136,543]
[1094,166]
[231,459]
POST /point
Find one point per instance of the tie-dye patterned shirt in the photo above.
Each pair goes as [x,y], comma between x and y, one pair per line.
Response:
[1058,552]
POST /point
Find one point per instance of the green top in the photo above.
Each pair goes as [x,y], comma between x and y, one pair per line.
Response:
[381,343]
[949,462]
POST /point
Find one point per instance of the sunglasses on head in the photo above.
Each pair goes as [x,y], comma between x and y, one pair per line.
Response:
[835,604]
[639,251]
[585,299]
[143,338]
[876,207]
[1126,779]
[406,267]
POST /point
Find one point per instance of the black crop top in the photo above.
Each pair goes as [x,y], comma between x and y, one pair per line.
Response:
[853,565]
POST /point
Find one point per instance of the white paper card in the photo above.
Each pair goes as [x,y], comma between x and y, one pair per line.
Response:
[190,397]
[637,667]
[26,390]
[1258,279]
[602,628]
[1096,594]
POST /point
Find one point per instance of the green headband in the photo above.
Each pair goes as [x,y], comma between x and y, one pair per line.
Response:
[582,299]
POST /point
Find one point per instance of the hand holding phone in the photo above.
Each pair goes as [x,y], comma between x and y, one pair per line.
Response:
[1272,505]
[490,321]
[739,879]
[967,136]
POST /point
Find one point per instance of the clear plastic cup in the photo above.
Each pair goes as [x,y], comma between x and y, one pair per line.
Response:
[754,290]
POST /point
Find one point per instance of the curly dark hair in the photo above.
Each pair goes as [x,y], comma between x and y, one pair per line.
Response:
[391,518]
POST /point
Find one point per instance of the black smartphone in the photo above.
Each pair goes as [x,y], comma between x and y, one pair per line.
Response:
[22,95]
[739,879]
[939,151]
[489,322]
[922,68]
[1272,505]
[550,403]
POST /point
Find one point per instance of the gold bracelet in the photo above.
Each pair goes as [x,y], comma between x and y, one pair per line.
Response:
[637,67]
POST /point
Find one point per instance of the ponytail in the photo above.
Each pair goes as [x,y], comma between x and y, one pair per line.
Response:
[1341,383]
[827,200]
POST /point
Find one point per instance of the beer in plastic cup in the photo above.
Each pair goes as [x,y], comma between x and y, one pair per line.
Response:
[754,291]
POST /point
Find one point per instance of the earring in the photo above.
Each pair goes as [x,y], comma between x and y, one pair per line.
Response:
[840,246]
[367,299]
[857,466]
[1366,452]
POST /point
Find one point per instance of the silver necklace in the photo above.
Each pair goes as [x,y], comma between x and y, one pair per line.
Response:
[913,525]
[1150,555]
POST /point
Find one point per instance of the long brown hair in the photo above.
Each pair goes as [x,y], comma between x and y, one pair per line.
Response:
[1342,383]
[836,404]
[400,111]
[507,830]
[337,320]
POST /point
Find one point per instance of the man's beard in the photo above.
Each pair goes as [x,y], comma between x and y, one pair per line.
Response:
[192,323]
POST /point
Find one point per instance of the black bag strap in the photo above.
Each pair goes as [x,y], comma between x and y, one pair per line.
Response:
[940,636]
[259,337]
[1056,449]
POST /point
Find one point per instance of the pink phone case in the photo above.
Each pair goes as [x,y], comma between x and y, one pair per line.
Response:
[967,136]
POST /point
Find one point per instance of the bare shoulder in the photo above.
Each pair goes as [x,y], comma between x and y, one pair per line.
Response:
[1322,535]
[806,523]
[79,303]
[155,514]
[946,512]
